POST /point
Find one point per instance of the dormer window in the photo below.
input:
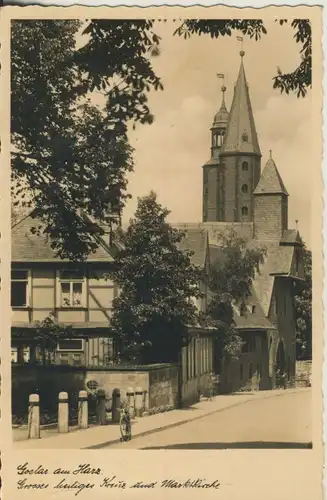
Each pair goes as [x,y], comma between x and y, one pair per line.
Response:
[253,309]
[245,137]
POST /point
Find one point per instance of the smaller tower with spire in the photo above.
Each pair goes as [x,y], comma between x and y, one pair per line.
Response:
[212,170]
[218,128]
[270,204]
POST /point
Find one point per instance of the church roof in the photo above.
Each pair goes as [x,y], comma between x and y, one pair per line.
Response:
[196,240]
[270,181]
[241,135]
[29,247]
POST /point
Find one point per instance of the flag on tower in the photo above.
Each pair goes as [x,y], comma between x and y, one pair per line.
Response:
[220,75]
[240,38]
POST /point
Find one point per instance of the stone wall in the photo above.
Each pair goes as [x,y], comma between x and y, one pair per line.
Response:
[163,387]
[47,381]
[303,373]
[158,382]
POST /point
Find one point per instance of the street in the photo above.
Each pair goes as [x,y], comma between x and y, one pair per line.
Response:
[279,421]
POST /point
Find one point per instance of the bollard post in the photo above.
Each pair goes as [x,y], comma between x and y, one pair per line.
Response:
[63,412]
[145,401]
[138,401]
[115,412]
[83,418]
[34,416]
[130,401]
[101,407]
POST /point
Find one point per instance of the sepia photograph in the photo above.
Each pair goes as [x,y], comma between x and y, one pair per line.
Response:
[162,185]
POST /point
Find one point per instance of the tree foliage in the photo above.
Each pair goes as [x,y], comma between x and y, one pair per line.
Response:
[297,81]
[230,282]
[157,286]
[70,152]
[303,307]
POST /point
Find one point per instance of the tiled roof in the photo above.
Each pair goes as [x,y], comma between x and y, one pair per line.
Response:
[291,236]
[241,135]
[196,240]
[81,325]
[29,247]
[243,230]
[255,319]
[213,161]
[278,261]
[270,181]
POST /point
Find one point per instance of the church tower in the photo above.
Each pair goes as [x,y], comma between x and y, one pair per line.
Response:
[212,170]
[232,173]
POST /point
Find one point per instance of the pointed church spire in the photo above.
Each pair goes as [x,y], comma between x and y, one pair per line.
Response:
[270,181]
[241,135]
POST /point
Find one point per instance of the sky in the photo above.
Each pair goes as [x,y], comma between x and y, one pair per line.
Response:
[169,153]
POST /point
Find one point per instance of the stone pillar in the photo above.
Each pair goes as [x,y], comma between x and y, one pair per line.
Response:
[130,401]
[63,412]
[82,410]
[34,416]
[138,401]
[101,407]
[115,411]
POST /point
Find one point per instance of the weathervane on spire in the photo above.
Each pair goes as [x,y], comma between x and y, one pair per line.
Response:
[240,39]
[222,76]
[270,153]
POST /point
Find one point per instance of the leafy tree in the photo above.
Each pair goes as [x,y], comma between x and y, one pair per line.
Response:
[69,152]
[297,81]
[47,333]
[230,283]
[303,305]
[157,286]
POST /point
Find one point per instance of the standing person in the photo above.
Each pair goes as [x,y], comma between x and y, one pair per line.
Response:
[218,383]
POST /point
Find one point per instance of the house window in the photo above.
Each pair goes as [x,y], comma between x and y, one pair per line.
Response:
[245,188]
[19,288]
[70,345]
[245,211]
[245,166]
[71,288]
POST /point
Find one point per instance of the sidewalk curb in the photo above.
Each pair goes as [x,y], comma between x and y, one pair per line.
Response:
[185,421]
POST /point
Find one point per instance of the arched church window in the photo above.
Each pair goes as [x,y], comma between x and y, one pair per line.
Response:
[245,188]
[245,166]
[245,210]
